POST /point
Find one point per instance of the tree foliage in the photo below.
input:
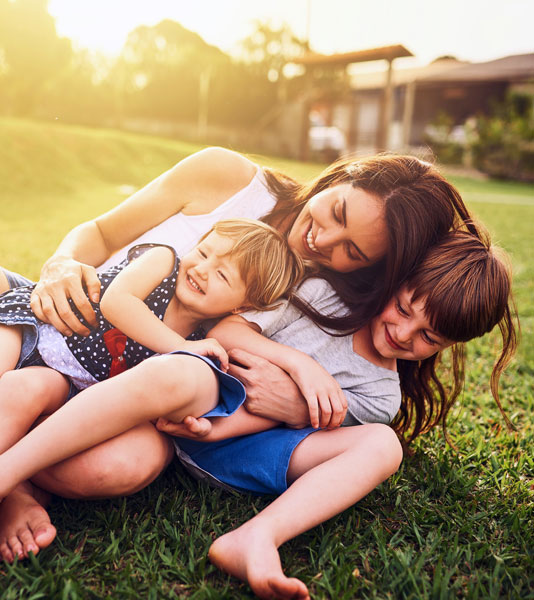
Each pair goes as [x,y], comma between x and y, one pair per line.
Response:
[164,73]
[269,49]
[32,54]
[503,142]
[160,69]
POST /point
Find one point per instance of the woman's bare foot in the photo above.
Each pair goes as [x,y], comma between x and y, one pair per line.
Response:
[251,555]
[24,523]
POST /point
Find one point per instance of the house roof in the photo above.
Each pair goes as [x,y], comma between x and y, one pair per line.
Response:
[519,67]
[400,76]
[346,58]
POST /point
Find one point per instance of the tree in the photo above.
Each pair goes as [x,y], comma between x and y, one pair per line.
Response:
[31,52]
[269,49]
[160,70]
[82,92]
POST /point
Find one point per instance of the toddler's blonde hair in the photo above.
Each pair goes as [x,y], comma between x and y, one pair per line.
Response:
[266,263]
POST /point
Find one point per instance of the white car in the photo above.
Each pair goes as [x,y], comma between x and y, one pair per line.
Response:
[327,139]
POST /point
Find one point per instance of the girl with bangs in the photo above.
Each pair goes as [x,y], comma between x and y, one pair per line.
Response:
[464,299]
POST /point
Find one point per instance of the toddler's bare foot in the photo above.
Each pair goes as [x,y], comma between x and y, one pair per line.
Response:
[251,555]
[24,523]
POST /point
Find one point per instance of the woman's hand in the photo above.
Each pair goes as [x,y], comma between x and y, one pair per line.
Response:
[309,395]
[326,401]
[63,278]
[208,347]
[271,393]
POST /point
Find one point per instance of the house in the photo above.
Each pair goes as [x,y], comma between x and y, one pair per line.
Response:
[393,109]
[340,109]
[460,91]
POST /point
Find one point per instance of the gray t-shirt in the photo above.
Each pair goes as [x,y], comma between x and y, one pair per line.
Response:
[372,392]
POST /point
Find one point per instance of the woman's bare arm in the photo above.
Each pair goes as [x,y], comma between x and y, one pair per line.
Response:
[271,393]
[326,401]
[196,185]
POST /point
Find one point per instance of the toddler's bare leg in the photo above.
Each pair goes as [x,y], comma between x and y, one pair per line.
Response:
[10,343]
[26,394]
[185,386]
[350,460]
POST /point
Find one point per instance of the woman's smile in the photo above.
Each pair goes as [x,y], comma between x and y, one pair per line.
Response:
[309,241]
[341,228]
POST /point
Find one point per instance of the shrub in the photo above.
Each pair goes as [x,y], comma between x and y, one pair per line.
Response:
[446,140]
[503,143]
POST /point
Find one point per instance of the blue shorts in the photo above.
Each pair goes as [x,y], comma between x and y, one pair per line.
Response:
[255,463]
[28,353]
[231,391]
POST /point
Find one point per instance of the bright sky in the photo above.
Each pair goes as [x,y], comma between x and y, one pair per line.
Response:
[475,30]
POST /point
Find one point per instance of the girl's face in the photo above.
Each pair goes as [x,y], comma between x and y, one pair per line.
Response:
[209,283]
[341,228]
[402,330]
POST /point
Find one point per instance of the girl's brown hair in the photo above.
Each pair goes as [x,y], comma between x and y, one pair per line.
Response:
[466,286]
[420,206]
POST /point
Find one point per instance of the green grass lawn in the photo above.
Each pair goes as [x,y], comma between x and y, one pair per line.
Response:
[449,524]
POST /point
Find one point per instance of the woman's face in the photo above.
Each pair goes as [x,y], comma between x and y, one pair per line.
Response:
[341,228]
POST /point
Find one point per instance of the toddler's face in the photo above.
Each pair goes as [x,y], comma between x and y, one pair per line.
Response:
[209,282]
[404,331]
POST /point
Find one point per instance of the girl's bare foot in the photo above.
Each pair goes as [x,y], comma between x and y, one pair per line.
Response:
[251,555]
[24,523]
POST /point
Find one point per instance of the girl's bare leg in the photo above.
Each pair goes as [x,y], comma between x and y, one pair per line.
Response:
[186,385]
[350,460]
[118,467]
[24,396]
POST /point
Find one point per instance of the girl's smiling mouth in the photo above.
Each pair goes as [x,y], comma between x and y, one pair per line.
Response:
[192,283]
[391,341]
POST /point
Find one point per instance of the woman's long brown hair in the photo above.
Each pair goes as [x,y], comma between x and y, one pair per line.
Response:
[420,206]
[466,286]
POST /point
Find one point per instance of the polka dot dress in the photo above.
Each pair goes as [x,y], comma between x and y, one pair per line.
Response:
[91,352]
[15,306]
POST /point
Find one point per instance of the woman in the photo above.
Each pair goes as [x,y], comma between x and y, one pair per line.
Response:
[364,223]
